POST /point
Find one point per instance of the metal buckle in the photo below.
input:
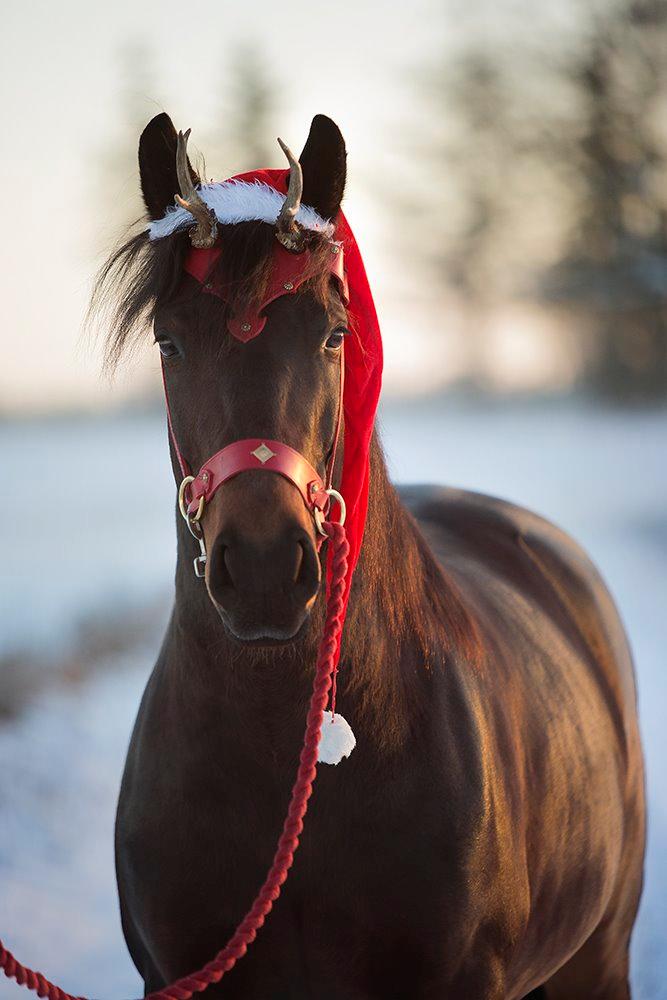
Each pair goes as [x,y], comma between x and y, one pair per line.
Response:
[182,506]
[199,562]
[192,521]
[318,515]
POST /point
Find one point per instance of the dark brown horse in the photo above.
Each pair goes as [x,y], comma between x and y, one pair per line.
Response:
[486,837]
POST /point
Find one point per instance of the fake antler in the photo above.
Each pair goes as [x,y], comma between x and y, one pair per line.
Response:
[204,234]
[287,230]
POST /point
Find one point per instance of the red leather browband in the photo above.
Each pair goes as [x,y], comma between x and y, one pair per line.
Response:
[257,454]
[289,272]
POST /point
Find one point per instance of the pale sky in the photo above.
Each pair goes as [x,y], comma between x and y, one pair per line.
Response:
[60,87]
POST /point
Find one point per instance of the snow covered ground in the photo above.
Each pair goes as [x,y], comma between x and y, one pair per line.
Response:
[601,475]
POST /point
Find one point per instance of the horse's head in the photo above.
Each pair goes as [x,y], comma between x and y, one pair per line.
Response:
[262,569]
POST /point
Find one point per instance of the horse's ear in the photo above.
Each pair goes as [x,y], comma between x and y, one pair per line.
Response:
[157,165]
[324,170]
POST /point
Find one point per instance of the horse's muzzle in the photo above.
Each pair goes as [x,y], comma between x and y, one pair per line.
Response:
[264,587]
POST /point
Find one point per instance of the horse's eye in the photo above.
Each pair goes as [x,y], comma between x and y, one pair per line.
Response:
[335,340]
[168,348]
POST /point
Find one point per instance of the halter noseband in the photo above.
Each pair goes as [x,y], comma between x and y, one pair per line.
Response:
[259,454]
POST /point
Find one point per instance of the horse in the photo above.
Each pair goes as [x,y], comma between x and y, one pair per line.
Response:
[485,839]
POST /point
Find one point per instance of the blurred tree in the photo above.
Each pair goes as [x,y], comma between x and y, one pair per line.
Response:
[473,135]
[614,265]
[117,181]
[478,172]
[550,168]
[244,138]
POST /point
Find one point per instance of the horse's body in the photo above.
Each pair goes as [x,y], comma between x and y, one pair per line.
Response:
[488,829]
[486,837]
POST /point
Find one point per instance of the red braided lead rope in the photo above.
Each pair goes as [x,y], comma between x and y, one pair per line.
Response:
[247,930]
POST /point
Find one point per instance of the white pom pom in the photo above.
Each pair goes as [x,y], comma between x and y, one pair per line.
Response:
[337,739]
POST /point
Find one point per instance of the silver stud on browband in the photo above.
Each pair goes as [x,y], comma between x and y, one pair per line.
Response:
[263,453]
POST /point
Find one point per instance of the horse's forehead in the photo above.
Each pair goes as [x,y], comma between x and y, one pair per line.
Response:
[286,276]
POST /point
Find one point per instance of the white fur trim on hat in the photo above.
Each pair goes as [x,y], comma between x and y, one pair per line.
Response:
[238,201]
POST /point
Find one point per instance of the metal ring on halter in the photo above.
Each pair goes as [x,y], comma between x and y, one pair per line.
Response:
[190,519]
[318,515]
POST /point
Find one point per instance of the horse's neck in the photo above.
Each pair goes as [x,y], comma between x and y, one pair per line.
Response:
[385,620]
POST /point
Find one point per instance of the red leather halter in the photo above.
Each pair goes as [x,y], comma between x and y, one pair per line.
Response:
[258,454]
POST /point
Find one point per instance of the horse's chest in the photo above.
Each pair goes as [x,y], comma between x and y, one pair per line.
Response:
[223,836]
[370,867]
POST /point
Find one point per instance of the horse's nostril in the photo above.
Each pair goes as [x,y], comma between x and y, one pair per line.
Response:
[299,568]
[307,578]
[225,574]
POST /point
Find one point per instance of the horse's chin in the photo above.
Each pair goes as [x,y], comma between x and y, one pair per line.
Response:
[263,635]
